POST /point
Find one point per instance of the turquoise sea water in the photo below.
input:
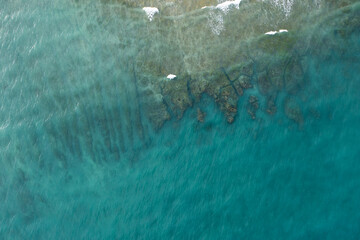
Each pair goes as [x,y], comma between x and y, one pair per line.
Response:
[74,164]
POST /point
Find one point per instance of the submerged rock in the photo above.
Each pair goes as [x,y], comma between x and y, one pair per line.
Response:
[177,96]
[238,88]
[157,112]
[294,76]
[245,82]
[240,57]
[270,105]
[253,106]
[216,81]
[200,115]
[152,101]
[275,73]
[293,110]
[228,103]
[197,85]
[264,84]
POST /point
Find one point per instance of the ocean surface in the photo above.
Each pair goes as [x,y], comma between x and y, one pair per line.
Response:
[74,165]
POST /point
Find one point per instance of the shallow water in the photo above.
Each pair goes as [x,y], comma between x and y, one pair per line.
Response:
[81,160]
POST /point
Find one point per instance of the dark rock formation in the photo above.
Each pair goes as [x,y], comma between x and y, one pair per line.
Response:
[200,115]
[293,110]
[253,106]
[228,103]
[270,105]
[197,86]
[157,112]
[276,65]
[176,95]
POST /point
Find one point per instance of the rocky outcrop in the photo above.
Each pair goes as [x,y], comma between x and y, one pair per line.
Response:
[156,110]
[176,96]
[293,110]
[272,66]
[253,106]
[200,115]
[270,104]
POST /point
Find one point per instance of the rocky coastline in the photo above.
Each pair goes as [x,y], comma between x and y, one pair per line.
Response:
[271,65]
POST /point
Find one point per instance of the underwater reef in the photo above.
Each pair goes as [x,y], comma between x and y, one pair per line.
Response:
[179,119]
[241,57]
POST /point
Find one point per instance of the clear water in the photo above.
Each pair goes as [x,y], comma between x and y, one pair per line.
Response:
[74,164]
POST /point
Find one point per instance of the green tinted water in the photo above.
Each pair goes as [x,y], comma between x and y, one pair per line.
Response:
[80,158]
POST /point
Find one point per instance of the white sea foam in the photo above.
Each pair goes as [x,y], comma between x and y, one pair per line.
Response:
[275,32]
[271,33]
[287,5]
[150,12]
[4,126]
[225,6]
[216,22]
[171,76]
[216,18]
[284,5]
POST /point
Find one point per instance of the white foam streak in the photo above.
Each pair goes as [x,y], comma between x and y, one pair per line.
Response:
[271,33]
[150,12]
[216,18]
[275,32]
[171,76]
[225,6]
[284,5]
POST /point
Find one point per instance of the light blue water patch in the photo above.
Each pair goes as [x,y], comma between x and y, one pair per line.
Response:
[74,166]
